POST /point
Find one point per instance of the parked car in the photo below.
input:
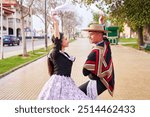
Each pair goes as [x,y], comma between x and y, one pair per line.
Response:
[10,40]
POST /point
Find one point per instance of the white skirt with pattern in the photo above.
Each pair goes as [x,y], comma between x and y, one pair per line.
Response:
[64,88]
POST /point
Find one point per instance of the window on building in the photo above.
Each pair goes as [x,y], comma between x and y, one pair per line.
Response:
[4,17]
[18,20]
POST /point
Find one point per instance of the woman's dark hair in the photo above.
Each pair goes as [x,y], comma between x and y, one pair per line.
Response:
[50,66]
[61,37]
[49,61]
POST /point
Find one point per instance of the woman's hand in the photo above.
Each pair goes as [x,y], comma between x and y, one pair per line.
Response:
[56,27]
[54,18]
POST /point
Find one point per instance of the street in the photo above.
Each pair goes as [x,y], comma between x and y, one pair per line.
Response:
[15,50]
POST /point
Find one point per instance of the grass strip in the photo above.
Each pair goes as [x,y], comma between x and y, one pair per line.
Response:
[10,63]
[128,40]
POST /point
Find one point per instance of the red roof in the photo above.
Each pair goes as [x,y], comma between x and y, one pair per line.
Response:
[7,11]
[9,4]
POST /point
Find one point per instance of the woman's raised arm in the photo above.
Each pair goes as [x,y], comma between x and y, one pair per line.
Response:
[56,27]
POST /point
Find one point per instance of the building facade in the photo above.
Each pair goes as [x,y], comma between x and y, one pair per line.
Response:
[12,19]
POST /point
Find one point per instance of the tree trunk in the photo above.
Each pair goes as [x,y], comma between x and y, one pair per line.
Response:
[23,31]
[140,36]
[23,38]
[62,22]
[46,48]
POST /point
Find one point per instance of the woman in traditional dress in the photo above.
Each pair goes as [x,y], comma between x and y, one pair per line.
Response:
[60,86]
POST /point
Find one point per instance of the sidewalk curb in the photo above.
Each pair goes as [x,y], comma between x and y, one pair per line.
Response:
[20,66]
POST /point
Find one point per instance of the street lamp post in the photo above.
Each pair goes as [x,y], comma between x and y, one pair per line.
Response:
[45,26]
[1,30]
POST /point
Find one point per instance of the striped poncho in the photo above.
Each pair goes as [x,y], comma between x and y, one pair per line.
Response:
[99,63]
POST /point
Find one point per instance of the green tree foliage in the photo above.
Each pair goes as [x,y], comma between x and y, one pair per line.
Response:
[87,2]
[136,13]
[96,17]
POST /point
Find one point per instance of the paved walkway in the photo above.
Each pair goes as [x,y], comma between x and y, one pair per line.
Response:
[132,70]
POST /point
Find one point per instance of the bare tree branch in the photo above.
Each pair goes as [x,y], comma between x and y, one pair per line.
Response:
[29,9]
[39,18]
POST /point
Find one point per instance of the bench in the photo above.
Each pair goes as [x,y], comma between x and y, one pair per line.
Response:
[113,40]
[146,46]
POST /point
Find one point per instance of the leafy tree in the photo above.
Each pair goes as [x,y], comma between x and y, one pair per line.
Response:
[96,17]
[86,2]
[136,13]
